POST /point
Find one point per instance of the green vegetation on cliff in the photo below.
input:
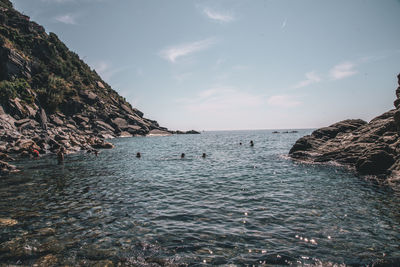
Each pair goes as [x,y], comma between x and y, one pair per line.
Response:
[38,68]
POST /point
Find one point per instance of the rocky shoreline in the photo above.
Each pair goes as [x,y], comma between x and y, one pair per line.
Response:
[371,149]
[46,134]
[50,98]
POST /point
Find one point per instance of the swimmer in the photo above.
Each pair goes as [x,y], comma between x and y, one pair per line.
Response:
[204,155]
[138,155]
[182,155]
[60,155]
[251,143]
[34,152]
[240,143]
[96,153]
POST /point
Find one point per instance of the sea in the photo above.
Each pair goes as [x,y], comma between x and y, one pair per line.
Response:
[241,205]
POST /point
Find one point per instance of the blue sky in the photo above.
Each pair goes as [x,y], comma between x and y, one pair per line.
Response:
[226,65]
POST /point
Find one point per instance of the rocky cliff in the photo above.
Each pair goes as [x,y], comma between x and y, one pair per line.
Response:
[368,148]
[50,98]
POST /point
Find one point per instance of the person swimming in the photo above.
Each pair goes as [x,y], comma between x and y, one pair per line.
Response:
[138,155]
[182,155]
[60,155]
[204,155]
[240,143]
[251,143]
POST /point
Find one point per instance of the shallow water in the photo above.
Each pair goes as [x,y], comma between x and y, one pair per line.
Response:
[240,205]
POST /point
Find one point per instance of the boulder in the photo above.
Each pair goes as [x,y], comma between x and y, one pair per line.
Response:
[89,97]
[56,120]
[5,157]
[80,119]
[120,123]
[16,109]
[6,168]
[369,148]
[42,118]
[375,162]
[104,126]
[18,123]
[102,144]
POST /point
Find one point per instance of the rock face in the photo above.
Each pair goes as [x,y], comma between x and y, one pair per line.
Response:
[51,98]
[369,148]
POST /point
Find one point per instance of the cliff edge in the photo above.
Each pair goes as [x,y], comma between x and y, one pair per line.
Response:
[368,148]
[50,98]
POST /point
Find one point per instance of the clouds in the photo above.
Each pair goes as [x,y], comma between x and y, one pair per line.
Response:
[173,53]
[66,19]
[337,72]
[343,70]
[311,77]
[218,16]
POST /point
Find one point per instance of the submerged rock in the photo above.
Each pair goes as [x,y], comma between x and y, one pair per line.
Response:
[7,222]
[369,148]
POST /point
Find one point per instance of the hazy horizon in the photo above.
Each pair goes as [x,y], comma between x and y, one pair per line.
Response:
[236,65]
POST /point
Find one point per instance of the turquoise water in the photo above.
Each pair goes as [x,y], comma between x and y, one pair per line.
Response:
[240,205]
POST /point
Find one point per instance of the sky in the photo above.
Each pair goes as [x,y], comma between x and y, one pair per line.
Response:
[236,65]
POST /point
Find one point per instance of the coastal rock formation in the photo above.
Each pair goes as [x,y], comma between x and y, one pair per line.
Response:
[369,148]
[50,98]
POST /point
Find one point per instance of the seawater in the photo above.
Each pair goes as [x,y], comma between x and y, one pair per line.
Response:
[239,205]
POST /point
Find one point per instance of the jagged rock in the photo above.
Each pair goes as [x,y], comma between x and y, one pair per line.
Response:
[5,157]
[370,148]
[127,109]
[32,111]
[104,126]
[120,123]
[13,64]
[20,122]
[80,119]
[6,168]
[100,84]
[16,109]
[90,97]
[42,118]
[56,120]
[375,162]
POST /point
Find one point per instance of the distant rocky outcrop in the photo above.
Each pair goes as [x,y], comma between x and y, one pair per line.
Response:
[186,132]
[50,98]
[369,148]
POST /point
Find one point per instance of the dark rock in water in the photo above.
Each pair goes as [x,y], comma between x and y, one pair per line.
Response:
[375,162]
[192,132]
[369,148]
[103,144]
[187,132]
[5,157]
[6,168]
